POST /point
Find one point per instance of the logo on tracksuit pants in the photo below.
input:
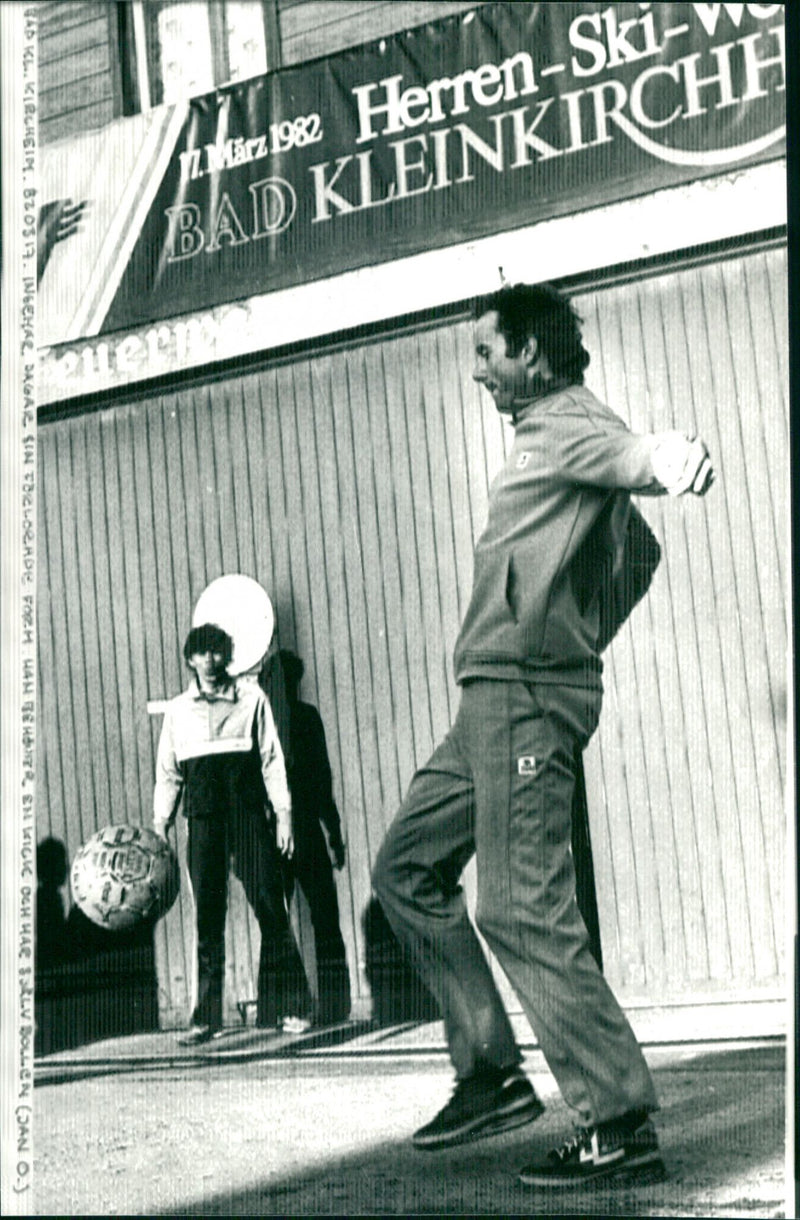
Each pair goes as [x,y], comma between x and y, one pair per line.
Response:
[526,765]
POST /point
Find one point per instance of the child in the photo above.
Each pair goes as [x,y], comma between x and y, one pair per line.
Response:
[219,750]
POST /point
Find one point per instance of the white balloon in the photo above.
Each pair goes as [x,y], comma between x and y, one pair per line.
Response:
[241,607]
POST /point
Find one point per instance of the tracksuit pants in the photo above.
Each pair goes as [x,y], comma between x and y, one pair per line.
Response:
[500,786]
[242,838]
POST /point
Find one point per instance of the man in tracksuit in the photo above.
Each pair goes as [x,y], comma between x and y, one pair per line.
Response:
[219,750]
[501,783]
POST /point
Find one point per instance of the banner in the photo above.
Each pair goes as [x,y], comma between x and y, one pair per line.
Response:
[466,126]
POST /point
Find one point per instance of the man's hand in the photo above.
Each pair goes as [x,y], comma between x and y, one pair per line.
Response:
[161,829]
[284,834]
[681,464]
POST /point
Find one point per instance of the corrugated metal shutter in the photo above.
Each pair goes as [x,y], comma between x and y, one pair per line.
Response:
[352,485]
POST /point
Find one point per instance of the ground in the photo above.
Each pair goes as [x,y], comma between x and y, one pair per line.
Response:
[259,1129]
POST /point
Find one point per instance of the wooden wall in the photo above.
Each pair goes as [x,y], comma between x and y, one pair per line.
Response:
[310,28]
[79,48]
[687,771]
[79,71]
[352,484]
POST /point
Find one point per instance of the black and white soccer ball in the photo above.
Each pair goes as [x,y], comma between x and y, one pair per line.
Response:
[123,875]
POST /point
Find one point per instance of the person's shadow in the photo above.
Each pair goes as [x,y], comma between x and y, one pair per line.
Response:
[398,992]
[52,869]
[319,847]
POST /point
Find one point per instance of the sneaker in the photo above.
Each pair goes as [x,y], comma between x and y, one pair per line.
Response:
[619,1150]
[196,1035]
[483,1104]
[295,1025]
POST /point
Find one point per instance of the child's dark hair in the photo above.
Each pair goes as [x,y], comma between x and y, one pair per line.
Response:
[542,311]
[208,638]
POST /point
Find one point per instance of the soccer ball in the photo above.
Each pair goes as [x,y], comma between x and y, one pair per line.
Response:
[124,874]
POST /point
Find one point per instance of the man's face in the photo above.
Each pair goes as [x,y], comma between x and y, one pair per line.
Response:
[507,378]
[210,666]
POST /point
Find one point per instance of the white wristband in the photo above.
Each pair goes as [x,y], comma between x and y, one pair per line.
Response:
[681,464]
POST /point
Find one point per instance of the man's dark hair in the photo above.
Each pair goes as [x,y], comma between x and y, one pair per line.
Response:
[540,310]
[208,638]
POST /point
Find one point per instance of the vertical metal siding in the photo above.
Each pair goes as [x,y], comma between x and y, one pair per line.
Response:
[689,756]
[352,484]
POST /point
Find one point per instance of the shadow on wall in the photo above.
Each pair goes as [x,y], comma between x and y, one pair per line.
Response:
[90,983]
[319,847]
[398,993]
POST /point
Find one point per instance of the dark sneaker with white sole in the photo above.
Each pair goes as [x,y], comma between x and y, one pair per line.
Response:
[490,1101]
[623,1150]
